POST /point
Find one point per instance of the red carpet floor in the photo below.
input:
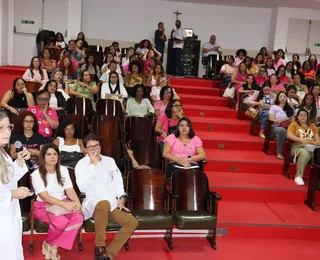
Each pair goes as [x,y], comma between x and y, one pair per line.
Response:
[262,213]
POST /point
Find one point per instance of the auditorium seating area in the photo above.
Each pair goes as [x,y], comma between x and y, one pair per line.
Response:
[259,204]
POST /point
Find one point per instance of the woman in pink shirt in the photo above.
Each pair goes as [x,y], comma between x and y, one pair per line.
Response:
[239,78]
[183,147]
[241,53]
[35,73]
[262,76]
[275,85]
[283,78]
[166,94]
[259,61]
[47,62]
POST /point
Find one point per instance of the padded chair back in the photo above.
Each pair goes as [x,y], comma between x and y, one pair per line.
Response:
[110,107]
[79,106]
[97,52]
[14,119]
[32,86]
[191,187]
[138,128]
[106,127]
[73,180]
[56,53]
[113,148]
[81,122]
[147,189]
[124,51]
[147,152]
[106,50]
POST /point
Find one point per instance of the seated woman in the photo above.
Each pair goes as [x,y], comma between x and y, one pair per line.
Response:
[47,62]
[151,66]
[313,62]
[283,58]
[54,190]
[17,98]
[269,66]
[135,76]
[259,60]
[228,70]
[74,62]
[280,114]
[116,55]
[264,99]
[125,60]
[68,142]
[240,54]
[302,133]
[309,104]
[239,78]
[138,104]
[289,71]
[47,117]
[60,43]
[315,90]
[182,147]
[262,76]
[35,73]
[91,66]
[276,87]
[85,88]
[149,57]
[292,97]
[56,100]
[62,86]
[27,133]
[82,37]
[250,87]
[251,68]
[296,63]
[277,62]
[80,48]
[283,78]
[307,71]
[166,94]
[125,68]
[113,88]
[264,52]
[167,122]
[302,90]
[162,81]
[155,74]
[106,66]
[112,68]
[143,48]
[69,72]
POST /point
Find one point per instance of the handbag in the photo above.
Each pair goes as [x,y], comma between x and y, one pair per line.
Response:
[252,113]
[285,124]
[229,92]
[70,159]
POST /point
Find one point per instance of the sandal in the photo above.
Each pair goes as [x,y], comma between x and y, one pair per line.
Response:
[45,249]
[134,162]
[54,254]
[280,156]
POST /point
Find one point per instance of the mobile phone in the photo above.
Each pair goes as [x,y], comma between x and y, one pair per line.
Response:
[31,190]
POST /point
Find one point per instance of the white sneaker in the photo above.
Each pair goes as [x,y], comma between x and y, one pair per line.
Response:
[299,181]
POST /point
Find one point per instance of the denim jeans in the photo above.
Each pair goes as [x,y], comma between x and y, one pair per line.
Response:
[160,48]
[177,62]
[264,114]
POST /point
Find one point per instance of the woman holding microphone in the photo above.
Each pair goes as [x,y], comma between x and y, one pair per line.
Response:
[10,214]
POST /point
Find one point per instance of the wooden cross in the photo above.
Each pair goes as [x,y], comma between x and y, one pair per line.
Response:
[177,14]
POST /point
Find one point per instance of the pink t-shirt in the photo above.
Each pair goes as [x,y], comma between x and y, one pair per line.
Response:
[178,149]
[44,127]
[158,105]
[260,80]
[166,123]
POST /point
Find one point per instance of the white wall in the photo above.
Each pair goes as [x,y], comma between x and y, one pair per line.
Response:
[284,14]
[235,27]
[273,26]
[4,6]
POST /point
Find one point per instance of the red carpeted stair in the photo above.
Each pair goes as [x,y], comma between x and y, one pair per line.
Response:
[258,201]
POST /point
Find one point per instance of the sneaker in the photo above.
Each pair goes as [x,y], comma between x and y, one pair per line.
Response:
[299,181]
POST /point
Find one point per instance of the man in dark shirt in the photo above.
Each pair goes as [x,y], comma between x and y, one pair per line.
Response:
[160,38]
[44,38]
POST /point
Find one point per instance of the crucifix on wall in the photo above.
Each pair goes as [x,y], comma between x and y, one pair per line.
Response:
[177,14]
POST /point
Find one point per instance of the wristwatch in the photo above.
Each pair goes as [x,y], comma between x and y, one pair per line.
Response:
[189,158]
[125,196]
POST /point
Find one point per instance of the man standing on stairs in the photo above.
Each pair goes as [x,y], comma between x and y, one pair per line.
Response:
[178,36]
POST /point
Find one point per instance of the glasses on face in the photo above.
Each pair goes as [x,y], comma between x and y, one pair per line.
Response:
[3,128]
[167,92]
[28,122]
[114,77]
[178,106]
[93,147]
[282,97]
[43,99]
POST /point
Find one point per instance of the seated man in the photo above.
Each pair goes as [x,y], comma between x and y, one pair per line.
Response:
[113,67]
[100,179]
[76,55]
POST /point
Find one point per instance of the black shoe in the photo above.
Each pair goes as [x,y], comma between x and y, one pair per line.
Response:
[100,253]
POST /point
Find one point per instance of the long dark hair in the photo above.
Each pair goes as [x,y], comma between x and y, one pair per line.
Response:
[191,133]
[31,67]
[169,107]
[19,126]
[117,89]
[166,88]
[313,112]
[94,63]
[42,165]
[299,111]
[290,87]
[61,128]
[261,95]
[14,90]
[287,109]
[272,67]
[48,83]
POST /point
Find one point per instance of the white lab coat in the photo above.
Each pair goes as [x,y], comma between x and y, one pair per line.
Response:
[99,182]
[10,215]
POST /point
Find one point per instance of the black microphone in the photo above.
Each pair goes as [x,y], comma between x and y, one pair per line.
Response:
[19,148]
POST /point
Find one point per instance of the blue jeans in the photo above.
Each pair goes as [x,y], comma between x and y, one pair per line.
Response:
[38,50]
[176,62]
[264,114]
[160,48]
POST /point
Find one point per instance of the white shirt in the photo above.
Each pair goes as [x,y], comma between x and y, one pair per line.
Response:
[53,188]
[10,215]
[155,91]
[105,77]
[118,70]
[53,101]
[125,61]
[136,109]
[179,34]
[102,181]
[208,45]
[106,90]
[68,148]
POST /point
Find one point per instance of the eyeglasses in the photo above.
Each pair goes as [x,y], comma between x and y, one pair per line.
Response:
[43,99]
[167,92]
[93,147]
[114,77]
[282,97]
[4,128]
[28,122]
[178,106]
